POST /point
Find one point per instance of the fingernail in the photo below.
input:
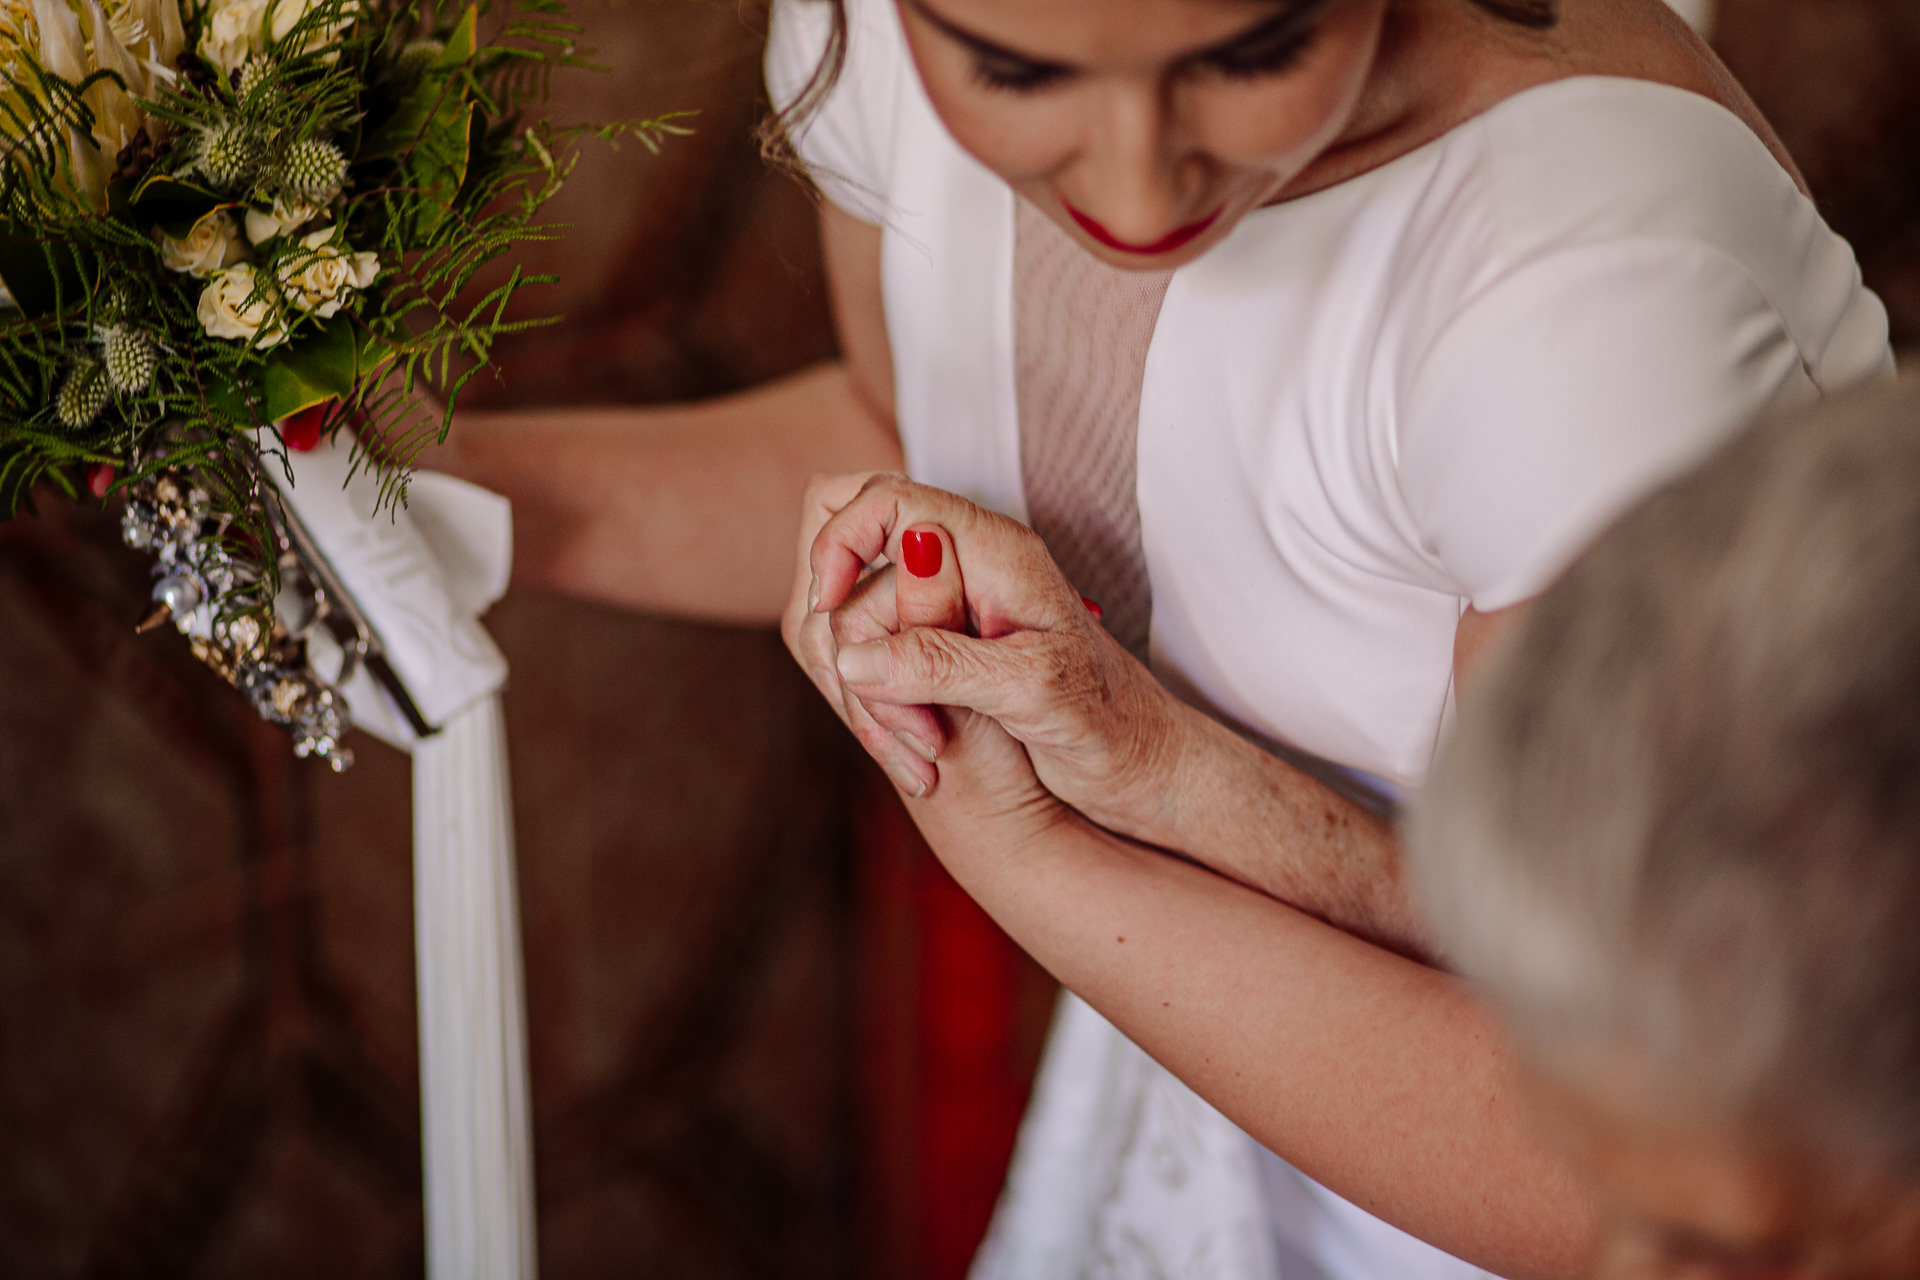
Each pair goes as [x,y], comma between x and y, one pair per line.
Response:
[1093,607]
[813,594]
[918,747]
[907,780]
[921,553]
[865,663]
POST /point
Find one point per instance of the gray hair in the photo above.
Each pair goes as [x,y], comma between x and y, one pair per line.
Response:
[1676,835]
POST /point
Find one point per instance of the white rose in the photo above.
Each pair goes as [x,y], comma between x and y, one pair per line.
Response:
[321,274]
[230,307]
[237,29]
[286,216]
[213,243]
[288,14]
[233,32]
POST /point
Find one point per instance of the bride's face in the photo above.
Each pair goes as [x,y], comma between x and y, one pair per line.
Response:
[1146,128]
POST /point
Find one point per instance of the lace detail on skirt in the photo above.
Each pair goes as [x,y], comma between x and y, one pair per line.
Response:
[1123,1173]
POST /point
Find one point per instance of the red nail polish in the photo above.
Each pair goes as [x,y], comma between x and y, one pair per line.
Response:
[1093,608]
[921,553]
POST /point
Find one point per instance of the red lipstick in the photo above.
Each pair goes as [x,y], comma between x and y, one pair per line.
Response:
[1165,244]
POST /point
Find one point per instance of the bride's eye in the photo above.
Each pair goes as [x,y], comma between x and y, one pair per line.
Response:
[1269,48]
[1015,75]
[1262,55]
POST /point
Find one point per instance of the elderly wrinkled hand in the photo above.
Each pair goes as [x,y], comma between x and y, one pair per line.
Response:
[905,739]
[987,622]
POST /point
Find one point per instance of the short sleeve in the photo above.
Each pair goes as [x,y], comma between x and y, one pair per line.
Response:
[1571,387]
[844,143]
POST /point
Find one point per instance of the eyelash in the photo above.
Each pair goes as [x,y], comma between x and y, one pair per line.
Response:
[1281,57]
[1018,78]
[1014,77]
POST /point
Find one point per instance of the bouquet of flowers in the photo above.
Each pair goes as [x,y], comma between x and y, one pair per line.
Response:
[230,227]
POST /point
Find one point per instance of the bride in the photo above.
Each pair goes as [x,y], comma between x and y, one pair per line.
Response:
[1312,338]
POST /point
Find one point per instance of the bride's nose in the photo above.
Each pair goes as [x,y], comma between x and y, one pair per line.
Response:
[1129,173]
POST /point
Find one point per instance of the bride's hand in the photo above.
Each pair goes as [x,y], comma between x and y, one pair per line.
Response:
[1102,733]
[904,740]
[982,768]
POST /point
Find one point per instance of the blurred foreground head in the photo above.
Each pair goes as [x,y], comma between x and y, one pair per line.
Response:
[1676,839]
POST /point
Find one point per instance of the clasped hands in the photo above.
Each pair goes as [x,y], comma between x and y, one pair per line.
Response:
[964,662]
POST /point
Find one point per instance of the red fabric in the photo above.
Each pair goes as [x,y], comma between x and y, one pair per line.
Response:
[970,1096]
[945,1049]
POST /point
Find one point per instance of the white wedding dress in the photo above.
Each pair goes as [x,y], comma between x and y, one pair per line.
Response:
[1364,412]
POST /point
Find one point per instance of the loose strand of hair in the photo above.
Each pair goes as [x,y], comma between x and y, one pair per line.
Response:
[776,133]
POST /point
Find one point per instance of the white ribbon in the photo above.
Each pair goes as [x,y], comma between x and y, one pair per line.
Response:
[421,577]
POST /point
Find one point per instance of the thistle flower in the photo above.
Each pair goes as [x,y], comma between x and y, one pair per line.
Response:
[83,395]
[416,56]
[227,155]
[256,78]
[131,359]
[314,171]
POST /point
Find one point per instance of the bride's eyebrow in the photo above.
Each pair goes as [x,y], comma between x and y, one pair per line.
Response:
[980,44]
[1281,25]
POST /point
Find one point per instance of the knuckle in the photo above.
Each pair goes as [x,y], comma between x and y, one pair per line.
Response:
[814,649]
[817,485]
[848,626]
[792,624]
[928,653]
[892,719]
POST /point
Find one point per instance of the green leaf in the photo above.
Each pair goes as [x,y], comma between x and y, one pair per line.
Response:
[311,369]
[476,146]
[461,43]
[436,168]
[42,275]
[436,99]
[172,204]
[435,103]
[184,230]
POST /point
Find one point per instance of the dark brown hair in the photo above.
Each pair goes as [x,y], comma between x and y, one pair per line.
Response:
[777,130]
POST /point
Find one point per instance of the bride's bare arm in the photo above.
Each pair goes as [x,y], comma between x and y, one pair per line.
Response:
[691,509]
[1376,1076]
[1103,734]
[1230,804]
